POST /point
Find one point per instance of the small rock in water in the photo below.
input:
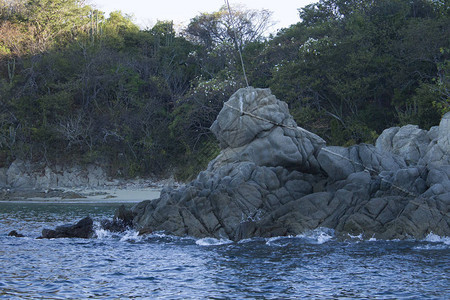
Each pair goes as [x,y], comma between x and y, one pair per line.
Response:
[123,220]
[15,234]
[145,231]
[125,215]
[83,229]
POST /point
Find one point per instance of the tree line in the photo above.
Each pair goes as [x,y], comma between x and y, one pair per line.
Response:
[76,86]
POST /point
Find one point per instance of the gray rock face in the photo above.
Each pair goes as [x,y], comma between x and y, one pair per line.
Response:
[273,178]
[410,142]
[339,162]
[24,175]
[419,146]
[255,126]
[437,153]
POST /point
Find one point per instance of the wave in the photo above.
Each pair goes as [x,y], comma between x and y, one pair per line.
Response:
[434,242]
[101,233]
[317,236]
[104,234]
[212,242]
[131,236]
[434,238]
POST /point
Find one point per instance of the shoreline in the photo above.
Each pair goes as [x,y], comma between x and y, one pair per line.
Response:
[112,191]
[129,192]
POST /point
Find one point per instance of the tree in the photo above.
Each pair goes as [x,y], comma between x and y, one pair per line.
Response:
[218,28]
[55,21]
[223,35]
[356,66]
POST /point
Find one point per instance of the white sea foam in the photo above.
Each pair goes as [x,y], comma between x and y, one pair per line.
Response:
[434,238]
[101,233]
[431,247]
[318,236]
[273,240]
[128,235]
[356,237]
[243,241]
[250,240]
[212,242]
[131,235]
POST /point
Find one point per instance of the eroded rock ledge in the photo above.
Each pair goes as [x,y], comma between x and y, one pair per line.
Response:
[273,178]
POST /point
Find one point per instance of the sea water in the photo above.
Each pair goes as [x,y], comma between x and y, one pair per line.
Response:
[119,266]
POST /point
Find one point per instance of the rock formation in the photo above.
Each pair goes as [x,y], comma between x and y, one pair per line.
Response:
[123,220]
[273,178]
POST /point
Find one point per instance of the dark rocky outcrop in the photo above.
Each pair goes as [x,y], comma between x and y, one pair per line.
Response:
[273,178]
[83,229]
[15,234]
[123,220]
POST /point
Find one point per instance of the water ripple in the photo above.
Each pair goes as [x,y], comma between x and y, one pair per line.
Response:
[312,265]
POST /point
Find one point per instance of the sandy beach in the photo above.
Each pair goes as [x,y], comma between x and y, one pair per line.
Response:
[129,192]
[84,196]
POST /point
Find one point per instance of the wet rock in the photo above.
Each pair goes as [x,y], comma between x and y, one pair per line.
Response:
[273,178]
[15,234]
[125,215]
[123,220]
[82,229]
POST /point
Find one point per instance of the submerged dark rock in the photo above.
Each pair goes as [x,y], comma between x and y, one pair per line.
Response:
[83,229]
[273,178]
[15,234]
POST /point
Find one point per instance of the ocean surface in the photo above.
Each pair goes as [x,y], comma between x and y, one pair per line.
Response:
[118,266]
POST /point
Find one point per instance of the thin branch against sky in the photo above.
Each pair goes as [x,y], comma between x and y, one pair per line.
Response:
[146,12]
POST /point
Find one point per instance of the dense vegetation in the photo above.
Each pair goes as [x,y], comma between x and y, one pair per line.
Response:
[78,87]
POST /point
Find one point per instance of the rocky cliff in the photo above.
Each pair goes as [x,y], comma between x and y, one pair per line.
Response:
[25,175]
[273,178]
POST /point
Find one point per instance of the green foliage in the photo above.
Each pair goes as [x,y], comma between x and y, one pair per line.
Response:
[75,85]
[194,162]
[117,28]
[349,61]
[421,109]
[441,84]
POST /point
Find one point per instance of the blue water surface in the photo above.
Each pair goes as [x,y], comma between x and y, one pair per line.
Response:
[117,266]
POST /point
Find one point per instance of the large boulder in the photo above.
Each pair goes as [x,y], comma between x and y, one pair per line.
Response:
[437,152]
[409,142]
[273,178]
[255,126]
[418,146]
[340,162]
